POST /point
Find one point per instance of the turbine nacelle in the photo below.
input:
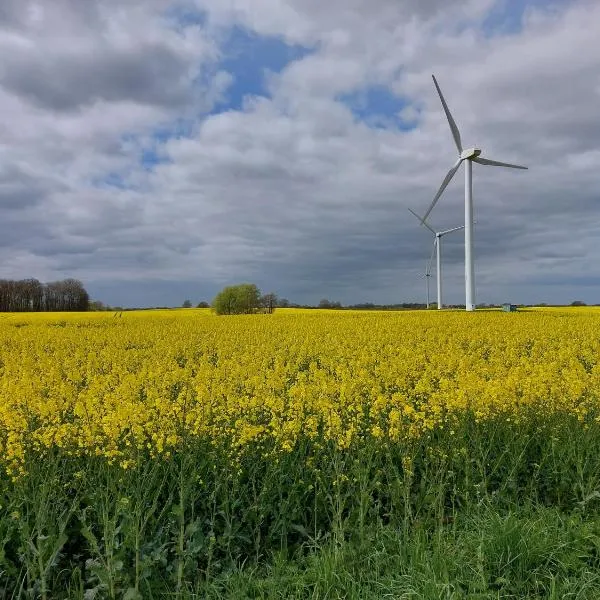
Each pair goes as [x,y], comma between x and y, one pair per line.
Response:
[470,153]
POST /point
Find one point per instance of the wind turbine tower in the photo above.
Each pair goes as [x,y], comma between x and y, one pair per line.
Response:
[468,156]
[428,276]
[437,248]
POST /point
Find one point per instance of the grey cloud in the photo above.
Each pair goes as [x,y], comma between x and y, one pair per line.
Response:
[153,75]
[296,195]
[20,229]
[21,189]
[307,21]
[78,53]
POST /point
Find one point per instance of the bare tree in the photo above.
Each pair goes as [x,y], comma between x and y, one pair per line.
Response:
[31,295]
[269,302]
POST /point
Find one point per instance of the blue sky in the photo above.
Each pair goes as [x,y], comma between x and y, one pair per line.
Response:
[378,106]
[506,16]
[250,58]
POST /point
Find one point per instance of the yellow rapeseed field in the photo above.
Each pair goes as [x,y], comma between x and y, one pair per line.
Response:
[114,386]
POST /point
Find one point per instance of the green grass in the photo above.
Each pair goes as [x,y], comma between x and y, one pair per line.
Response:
[487,510]
[525,552]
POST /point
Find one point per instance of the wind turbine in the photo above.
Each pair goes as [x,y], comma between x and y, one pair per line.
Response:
[437,248]
[428,274]
[469,156]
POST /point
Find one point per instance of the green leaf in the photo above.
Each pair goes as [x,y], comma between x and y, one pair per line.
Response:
[132,594]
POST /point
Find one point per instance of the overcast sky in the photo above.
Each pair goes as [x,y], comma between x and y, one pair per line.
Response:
[159,150]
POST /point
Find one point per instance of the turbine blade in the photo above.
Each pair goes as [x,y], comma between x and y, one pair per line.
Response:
[441,233]
[423,222]
[445,183]
[453,127]
[430,261]
[495,163]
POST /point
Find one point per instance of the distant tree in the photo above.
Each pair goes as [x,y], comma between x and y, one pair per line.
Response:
[269,302]
[283,303]
[31,295]
[248,298]
[203,305]
[74,295]
[363,306]
[52,296]
[5,295]
[578,303]
[238,299]
[97,305]
[324,303]
[224,302]
[187,304]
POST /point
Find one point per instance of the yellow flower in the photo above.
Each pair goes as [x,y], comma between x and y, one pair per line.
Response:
[153,382]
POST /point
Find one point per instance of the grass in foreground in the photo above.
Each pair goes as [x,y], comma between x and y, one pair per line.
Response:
[523,552]
[510,511]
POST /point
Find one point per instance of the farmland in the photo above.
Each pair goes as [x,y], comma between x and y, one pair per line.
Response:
[170,451]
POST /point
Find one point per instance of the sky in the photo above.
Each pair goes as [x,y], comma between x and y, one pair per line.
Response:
[159,150]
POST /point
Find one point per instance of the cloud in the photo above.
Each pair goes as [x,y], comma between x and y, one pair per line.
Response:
[282,142]
[75,54]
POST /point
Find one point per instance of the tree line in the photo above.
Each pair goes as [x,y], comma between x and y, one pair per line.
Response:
[30,295]
[246,298]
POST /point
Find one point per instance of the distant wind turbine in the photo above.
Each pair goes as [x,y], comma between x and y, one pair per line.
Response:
[437,248]
[428,274]
[469,156]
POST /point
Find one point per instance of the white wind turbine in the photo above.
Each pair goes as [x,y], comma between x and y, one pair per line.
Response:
[437,248]
[428,275]
[469,156]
